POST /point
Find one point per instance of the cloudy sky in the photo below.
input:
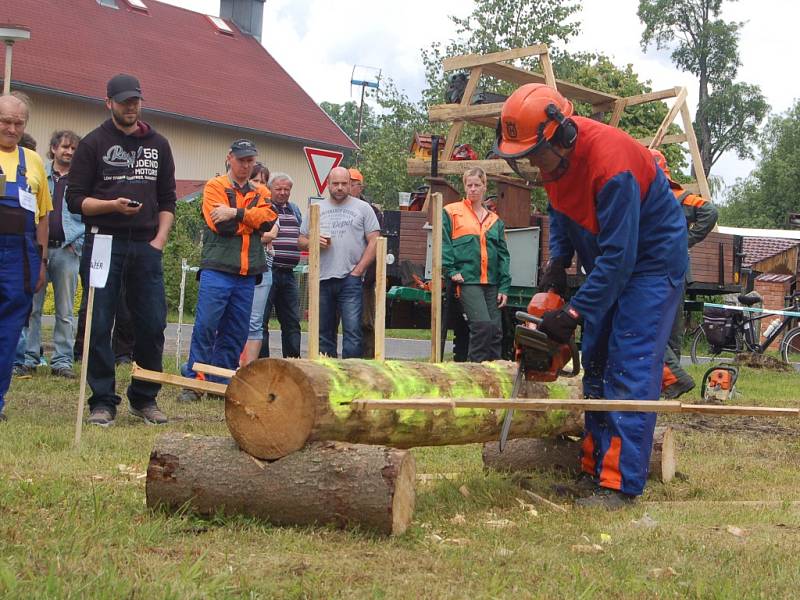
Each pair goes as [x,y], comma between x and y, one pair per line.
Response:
[318,42]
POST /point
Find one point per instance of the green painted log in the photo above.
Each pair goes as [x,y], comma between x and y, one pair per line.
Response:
[275,406]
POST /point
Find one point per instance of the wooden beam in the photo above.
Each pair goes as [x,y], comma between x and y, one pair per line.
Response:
[619,108]
[652,96]
[570,90]
[439,113]
[540,404]
[467,61]
[694,150]
[678,138]
[212,370]
[313,281]
[421,168]
[436,279]
[197,385]
[680,100]
[380,299]
[547,69]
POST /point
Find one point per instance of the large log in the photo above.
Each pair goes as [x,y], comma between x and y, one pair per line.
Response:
[561,454]
[325,483]
[275,406]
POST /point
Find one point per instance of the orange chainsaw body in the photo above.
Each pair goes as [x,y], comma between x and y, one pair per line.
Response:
[543,359]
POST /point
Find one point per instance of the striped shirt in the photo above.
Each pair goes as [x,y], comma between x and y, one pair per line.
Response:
[287,254]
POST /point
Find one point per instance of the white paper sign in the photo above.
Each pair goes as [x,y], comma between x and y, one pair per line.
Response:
[27,201]
[101,261]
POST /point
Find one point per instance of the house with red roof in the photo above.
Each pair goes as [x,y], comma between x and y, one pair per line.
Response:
[206,81]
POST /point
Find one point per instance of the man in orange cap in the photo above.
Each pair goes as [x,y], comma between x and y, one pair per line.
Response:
[368,290]
[609,203]
[701,217]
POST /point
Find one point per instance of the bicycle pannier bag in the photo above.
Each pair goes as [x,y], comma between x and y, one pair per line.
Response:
[718,325]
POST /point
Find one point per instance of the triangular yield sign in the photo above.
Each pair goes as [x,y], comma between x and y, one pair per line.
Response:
[321,162]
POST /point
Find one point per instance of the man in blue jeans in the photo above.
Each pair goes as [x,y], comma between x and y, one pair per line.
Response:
[122,181]
[284,294]
[65,245]
[348,234]
[236,213]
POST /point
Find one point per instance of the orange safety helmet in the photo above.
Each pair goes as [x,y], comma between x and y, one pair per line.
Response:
[530,118]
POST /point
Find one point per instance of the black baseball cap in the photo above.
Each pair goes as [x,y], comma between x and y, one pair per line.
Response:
[243,149]
[122,87]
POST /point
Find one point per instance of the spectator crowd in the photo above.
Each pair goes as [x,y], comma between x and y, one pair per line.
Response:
[119,180]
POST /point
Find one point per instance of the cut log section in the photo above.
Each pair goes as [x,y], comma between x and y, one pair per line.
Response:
[275,406]
[562,454]
[325,483]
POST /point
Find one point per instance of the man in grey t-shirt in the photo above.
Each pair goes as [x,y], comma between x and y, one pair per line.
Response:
[348,233]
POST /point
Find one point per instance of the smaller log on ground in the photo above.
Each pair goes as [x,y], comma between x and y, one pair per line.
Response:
[324,483]
[562,454]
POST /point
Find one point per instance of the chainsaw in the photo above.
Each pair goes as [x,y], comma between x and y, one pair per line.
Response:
[538,357]
[719,384]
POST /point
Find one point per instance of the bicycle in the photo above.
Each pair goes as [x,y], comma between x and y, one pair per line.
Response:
[743,334]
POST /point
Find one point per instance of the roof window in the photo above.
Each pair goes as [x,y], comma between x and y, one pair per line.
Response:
[220,25]
[137,5]
[108,3]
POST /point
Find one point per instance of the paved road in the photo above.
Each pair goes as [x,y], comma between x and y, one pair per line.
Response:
[395,347]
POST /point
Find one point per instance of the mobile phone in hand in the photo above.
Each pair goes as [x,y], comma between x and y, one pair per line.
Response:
[134,203]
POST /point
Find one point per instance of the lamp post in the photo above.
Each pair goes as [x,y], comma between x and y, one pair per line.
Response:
[11,33]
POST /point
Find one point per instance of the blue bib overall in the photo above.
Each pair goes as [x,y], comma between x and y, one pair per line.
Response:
[19,269]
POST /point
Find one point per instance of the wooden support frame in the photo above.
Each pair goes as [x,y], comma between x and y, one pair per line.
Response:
[497,65]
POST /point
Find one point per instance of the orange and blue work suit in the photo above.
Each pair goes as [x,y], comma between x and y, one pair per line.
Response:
[477,250]
[232,259]
[701,217]
[615,209]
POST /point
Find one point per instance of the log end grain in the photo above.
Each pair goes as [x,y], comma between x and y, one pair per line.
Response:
[270,408]
[401,475]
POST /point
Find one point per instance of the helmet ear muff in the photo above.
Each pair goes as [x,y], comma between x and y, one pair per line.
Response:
[567,132]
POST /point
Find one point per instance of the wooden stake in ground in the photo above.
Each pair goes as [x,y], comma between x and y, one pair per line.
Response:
[380,299]
[324,483]
[275,406]
[84,366]
[313,281]
[99,266]
[436,279]
[562,454]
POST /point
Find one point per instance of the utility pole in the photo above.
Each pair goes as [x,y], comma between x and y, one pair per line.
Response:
[368,80]
[10,33]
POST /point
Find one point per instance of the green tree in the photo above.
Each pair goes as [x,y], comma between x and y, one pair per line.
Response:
[772,190]
[346,117]
[184,242]
[702,43]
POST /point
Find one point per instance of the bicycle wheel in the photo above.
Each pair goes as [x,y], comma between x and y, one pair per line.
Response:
[702,352]
[790,348]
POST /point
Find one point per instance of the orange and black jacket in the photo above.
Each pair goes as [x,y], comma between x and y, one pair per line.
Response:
[476,250]
[234,246]
[701,215]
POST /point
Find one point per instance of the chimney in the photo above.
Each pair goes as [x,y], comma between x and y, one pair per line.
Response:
[247,14]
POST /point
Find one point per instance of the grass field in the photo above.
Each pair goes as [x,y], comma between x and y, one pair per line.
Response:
[75,525]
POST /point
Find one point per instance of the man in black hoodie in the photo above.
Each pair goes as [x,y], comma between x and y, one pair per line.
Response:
[122,182]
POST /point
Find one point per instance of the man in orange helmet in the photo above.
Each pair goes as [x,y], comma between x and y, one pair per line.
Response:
[611,205]
[701,217]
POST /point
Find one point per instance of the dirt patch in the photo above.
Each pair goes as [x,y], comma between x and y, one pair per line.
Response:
[761,361]
[749,425]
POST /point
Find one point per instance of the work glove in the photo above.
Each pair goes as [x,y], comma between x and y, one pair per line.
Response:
[559,325]
[554,276]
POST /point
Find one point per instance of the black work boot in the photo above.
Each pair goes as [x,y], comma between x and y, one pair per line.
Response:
[681,386]
[606,498]
[583,485]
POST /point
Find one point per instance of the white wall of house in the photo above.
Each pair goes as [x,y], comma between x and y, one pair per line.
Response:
[199,150]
